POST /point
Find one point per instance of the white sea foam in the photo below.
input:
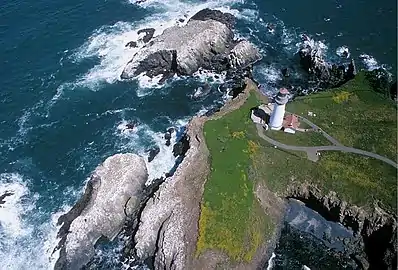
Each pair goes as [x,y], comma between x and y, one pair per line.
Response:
[343,51]
[319,46]
[107,44]
[369,61]
[271,262]
[23,243]
[142,138]
[164,161]
[206,76]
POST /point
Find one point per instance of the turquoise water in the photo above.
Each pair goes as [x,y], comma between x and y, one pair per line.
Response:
[63,107]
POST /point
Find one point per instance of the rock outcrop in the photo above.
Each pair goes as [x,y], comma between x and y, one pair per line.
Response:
[167,232]
[324,74]
[206,41]
[113,192]
[376,227]
[4,196]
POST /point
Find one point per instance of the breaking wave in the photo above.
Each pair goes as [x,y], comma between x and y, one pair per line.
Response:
[26,242]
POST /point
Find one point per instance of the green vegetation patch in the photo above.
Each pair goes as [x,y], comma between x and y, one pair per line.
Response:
[309,138]
[354,114]
[356,179]
[231,219]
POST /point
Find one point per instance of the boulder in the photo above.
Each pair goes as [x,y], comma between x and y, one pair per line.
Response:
[131,44]
[167,136]
[153,153]
[182,146]
[4,195]
[244,54]
[113,192]
[149,32]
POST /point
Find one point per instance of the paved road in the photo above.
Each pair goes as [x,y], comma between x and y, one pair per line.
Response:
[313,150]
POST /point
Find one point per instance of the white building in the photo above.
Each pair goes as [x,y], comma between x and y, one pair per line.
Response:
[278,112]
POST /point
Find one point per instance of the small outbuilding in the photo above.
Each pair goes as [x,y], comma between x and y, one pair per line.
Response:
[290,123]
[259,116]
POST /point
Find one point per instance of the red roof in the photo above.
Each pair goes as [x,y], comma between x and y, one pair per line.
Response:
[291,121]
[284,91]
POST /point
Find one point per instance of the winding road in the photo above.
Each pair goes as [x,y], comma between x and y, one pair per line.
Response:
[312,151]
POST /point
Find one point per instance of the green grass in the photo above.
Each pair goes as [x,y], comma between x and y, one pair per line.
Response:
[231,219]
[356,179]
[309,138]
[355,115]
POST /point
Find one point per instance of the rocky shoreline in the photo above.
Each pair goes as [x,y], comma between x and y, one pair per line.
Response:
[375,229]
[161,228]
[158,223]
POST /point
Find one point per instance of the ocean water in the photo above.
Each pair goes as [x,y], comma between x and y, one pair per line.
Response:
[64,110]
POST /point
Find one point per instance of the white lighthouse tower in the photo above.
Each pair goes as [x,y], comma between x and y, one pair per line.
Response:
[278,112]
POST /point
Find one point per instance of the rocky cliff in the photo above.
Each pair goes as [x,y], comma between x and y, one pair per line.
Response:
[321,72]
[113,192]
[376,228]
[168,226]
[206,41]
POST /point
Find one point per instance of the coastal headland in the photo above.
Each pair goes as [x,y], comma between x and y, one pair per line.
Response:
[223,205]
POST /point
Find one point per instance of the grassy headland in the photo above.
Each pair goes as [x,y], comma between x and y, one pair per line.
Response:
[354,114]
[231,219]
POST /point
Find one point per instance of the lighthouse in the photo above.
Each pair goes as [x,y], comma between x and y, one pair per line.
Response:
[278,112]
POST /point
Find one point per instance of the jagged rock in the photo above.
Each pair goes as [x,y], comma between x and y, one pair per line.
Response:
[153,153]
[206,41]
[377,228]
[216,15]
[149,32]
[4,195]
[168,227]
[131,44]
[210,38]
[113,192]
[167,136]
[320,71]
[182,146]
[244,54]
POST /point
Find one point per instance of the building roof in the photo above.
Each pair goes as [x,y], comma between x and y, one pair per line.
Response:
[284,91]
[291,121]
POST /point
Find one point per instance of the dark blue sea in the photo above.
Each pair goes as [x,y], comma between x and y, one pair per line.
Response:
[64,109]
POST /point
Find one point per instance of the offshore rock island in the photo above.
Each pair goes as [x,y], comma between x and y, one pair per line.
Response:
[224,205]
[205,41]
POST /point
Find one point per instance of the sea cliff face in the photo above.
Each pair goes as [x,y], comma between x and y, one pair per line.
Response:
[376,228]
[168,226]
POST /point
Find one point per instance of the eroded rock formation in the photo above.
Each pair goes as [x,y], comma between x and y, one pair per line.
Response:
[167,230]
[114,191]
[206,41]
[376,227]
[323,73]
